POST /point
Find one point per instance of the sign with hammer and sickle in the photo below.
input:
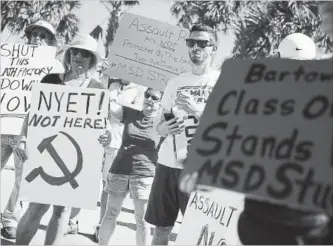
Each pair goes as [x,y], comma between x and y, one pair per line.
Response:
[46,144]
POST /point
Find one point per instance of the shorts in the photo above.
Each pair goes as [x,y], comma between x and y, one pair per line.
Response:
[166,199]
[120,184]
[110,155]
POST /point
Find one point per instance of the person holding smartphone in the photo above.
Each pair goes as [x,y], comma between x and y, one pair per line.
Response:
[133,169]
[183,102]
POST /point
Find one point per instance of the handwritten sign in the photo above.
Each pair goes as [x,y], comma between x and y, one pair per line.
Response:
[267,131]
[216,215]
[64,154]
[22,66]
[148,52]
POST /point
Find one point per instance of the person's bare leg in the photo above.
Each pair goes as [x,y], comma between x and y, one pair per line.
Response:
[57,225]
[161,235]
[104,200]
[29,223]
[109,221]
[142,227]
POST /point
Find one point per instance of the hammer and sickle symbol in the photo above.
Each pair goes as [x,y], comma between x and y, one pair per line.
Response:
[46,144]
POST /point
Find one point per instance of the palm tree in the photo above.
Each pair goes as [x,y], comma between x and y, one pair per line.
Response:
[263,27]
[16,15]
[116,9]
[217,14]
[259,26]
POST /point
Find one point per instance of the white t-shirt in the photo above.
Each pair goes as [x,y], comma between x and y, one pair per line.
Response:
[198,85]
[129,95]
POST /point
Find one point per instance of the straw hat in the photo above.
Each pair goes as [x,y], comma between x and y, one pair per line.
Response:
[297,46]
[42,24]
[85,42]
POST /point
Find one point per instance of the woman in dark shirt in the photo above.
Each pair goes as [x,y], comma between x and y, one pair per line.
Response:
[133,169]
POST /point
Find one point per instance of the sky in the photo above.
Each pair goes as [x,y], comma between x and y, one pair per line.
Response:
[93,13]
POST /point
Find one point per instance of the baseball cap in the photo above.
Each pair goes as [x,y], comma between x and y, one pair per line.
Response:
[297,46]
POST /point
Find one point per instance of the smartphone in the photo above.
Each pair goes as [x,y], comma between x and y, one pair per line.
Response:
[169,116]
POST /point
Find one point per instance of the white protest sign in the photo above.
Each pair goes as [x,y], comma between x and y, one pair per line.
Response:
[64,154]
[211,218]
[22,66]
[267,131]
[148,52]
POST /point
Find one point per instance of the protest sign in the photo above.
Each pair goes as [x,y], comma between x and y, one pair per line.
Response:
[22,66]
[148,52]
[64,154]
[267,131]
[216,215]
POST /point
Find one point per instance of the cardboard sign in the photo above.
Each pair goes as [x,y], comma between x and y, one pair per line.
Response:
[22,66]
[148,52]
[267,131]
[64,154]
[215,214]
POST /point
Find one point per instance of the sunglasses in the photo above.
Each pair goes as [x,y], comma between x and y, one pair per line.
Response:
[200,43]
[84,53]
[153,97]
[41,35]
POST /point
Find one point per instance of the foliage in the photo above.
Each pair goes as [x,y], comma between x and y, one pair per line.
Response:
[116,9]
[16,15]
[263,27]
[259,26]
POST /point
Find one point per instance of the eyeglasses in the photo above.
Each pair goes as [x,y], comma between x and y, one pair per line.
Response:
[84,53]
[200,43]
[41,35]
[153,97]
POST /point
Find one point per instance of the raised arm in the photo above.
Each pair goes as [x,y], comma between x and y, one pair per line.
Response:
[116,110]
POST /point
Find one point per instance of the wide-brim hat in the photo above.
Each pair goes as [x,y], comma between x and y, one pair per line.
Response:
[42,24]
[85,42]
[297,46]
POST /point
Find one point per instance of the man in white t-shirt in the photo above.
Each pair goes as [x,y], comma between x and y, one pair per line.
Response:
[185,96]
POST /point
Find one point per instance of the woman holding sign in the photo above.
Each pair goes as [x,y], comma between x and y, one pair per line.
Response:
[79,60]
[133,169]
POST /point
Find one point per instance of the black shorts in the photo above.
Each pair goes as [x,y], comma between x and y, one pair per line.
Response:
[166,199]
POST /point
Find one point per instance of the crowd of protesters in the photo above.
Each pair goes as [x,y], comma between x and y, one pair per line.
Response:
[141,157]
